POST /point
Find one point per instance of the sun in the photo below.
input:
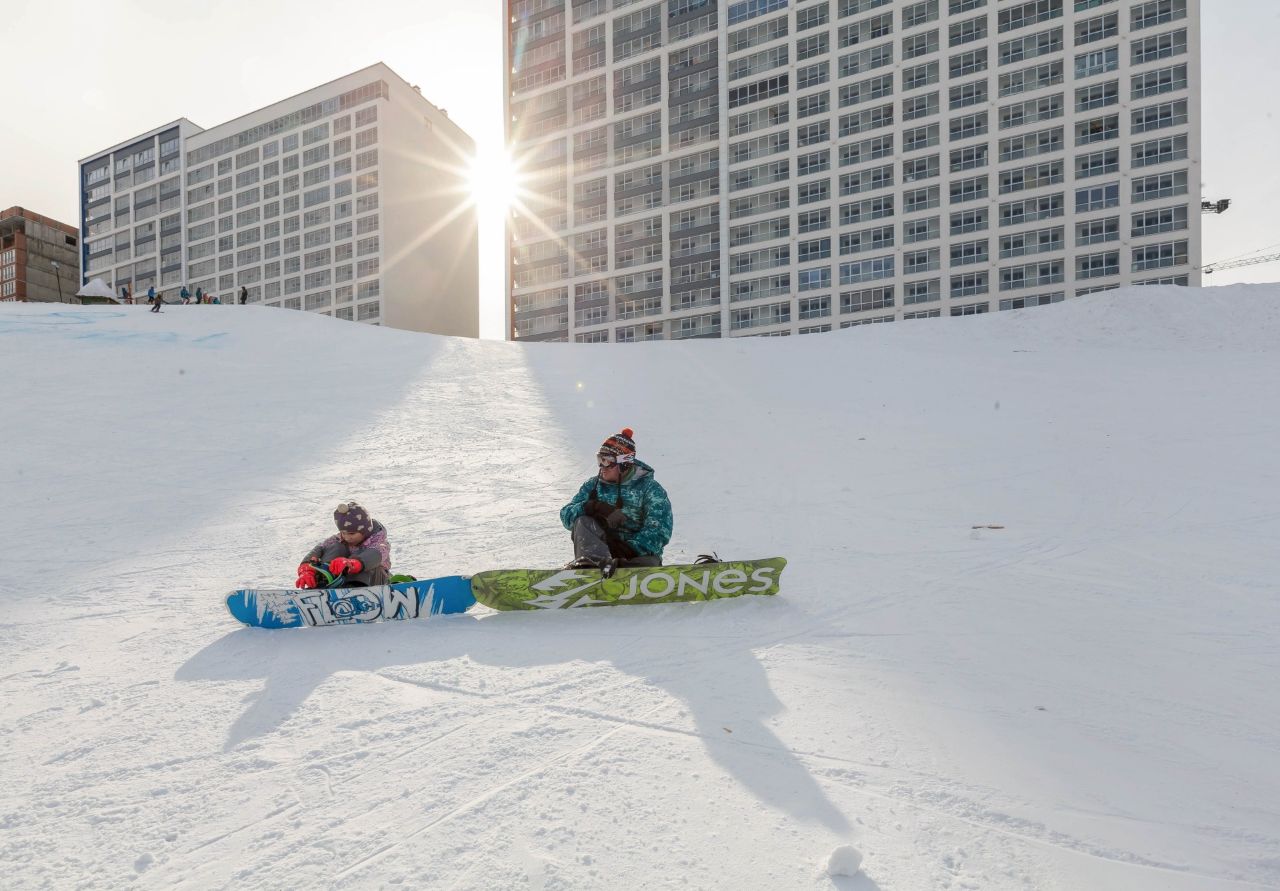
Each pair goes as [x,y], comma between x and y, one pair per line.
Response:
[494,181]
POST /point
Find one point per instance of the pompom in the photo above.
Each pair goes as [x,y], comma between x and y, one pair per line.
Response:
[628,433]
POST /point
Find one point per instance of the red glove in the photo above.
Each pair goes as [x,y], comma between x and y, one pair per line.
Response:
[306,576]
[347,566]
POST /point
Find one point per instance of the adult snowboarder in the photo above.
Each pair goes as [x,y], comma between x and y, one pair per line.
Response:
[360,552]
[621,516]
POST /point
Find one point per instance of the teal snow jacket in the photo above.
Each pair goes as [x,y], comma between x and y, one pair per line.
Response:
[644,501]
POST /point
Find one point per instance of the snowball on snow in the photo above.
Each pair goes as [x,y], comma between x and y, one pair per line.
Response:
[845,860]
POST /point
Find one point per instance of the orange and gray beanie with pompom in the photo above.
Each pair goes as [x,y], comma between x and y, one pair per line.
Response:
[621,446]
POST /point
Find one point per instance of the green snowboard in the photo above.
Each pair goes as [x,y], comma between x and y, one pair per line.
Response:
[509,589]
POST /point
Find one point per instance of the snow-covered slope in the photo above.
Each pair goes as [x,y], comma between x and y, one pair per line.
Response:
[1029,635]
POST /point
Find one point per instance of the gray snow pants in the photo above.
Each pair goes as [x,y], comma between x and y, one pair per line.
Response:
[591,540]
[363,579]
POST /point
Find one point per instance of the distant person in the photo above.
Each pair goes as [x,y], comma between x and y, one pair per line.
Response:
[622,515]
[124,293]
[151,294]
[199,295]
[185,295]
[359,553]
[216,300]
[244,295]
[157,301]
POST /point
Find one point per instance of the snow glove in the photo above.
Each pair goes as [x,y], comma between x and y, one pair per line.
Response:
[606,513]
[306,576]
[348,566]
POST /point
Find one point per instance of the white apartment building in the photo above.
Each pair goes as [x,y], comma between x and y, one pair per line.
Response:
[699,168]
[350,200]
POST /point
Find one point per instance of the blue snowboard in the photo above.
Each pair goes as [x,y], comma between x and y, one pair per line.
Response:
[297,608]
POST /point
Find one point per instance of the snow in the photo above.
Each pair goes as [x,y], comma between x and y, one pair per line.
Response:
[1027,637]
[845,860]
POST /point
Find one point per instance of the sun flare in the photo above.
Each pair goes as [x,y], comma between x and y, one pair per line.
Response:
[494,181]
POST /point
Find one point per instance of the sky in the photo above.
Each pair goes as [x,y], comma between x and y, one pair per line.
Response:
[123,68]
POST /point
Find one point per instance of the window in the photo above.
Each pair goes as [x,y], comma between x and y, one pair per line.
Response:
[912,140]
[1161,46]
[1158,117]
[967,63]
[815,307]
[1098,130]
[1157,12]
[1098,265]
[812,17]
[1035,77]
[968,126]
[812,76]
[1097,231]
[1099,28]
[1032,176]
[1031,275]
[926,229]
[967,31]
[915,169]
[866,270]
[813,220]
[968,158]
[1028,210]
[1040,241]
[815,45]
[1162,80]
[1031,46]
[963,95]
[756,316]
[970,284]
[919,13]
[1154,222]
[971,189]
[815,279]
[920,45]
[1097,163]
[917,199]
[773,86]
[816,249]
[1031,13]
[866,299]
[1097,96]
[918,262]
[919,76]
[1097,61]
[963,221]
[873,239]
[1161,185]
[925,291]
[1097,197]
[749,9]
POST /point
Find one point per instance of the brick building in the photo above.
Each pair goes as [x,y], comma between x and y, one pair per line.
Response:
[39,258]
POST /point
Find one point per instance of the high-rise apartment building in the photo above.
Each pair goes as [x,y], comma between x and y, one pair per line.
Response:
[350,200]
[703,169]
[38,258]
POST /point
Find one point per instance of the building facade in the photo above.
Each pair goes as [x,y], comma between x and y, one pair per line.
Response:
[38,258]
[350,200]
[696,168]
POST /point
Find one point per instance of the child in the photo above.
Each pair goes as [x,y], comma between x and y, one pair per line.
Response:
[359,552]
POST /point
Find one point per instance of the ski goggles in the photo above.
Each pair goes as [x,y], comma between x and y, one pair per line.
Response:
[610,460]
